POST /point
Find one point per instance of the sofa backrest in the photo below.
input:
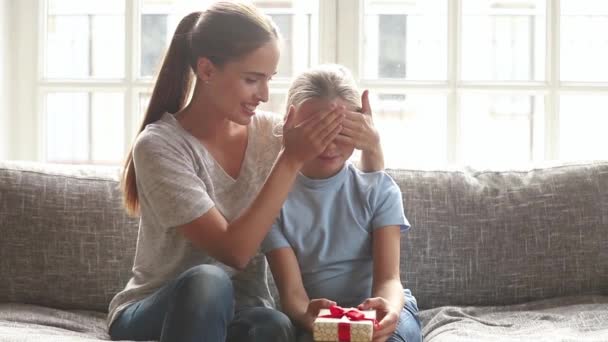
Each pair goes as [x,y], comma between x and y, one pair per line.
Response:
[65,240]
[496,238]
[477,238]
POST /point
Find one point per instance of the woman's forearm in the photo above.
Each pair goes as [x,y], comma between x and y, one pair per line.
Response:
[247,231]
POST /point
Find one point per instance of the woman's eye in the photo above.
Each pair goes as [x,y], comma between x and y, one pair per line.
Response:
[250,80]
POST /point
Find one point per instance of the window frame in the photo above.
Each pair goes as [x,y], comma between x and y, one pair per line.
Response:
[339,42]
[350,54]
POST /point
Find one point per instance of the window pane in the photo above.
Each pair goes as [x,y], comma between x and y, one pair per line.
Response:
[67,127]
[108,52]
[413,128]
[584,40]
[154,39]
[293,18]
[144,100]
[85,39]
[107,128]
[405,40]
[583,121]
[275,104]
[503,40]
[499,129]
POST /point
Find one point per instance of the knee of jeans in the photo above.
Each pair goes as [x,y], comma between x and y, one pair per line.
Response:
[410,302]
[205,286]
[272,325]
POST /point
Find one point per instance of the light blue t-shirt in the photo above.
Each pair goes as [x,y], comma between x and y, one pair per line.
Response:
[329,223]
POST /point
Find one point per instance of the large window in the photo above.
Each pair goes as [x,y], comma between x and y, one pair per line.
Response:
[494,82]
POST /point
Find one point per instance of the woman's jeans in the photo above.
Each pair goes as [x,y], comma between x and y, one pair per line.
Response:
[199,306]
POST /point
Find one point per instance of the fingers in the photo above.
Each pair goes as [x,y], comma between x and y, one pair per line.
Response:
[388,322]
[330,136]
[376,303]
[386,327]
[316,305]
[365,107]
[348,131]
[344,139]
[320,118]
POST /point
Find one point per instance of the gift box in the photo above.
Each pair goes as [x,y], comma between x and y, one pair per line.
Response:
[340,324]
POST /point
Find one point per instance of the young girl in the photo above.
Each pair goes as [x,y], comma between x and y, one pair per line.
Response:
[208,178]
[336,239]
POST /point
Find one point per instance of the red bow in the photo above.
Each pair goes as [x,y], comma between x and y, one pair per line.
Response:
[352,315]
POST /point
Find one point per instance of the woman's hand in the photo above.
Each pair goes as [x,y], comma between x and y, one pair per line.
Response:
[312,311]
[358,128]
[385,314]
[308,139]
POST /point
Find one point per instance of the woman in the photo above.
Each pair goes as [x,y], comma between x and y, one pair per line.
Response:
[207,180]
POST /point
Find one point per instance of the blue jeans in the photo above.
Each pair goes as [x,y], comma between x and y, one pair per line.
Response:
[408,328]
[199,306]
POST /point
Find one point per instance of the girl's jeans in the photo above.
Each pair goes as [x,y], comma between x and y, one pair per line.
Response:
[199,306]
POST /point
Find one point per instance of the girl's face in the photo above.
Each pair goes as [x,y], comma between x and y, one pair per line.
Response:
[237,88]
[335,155]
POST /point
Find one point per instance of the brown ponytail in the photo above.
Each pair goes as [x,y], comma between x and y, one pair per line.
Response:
[169,95]
[224,32]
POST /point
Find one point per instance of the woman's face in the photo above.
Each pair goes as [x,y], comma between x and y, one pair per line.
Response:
[238,87]
[336,154]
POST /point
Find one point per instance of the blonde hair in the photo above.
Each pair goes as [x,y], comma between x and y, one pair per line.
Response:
[328,82]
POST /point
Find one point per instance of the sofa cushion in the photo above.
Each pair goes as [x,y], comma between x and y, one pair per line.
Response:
[498,238]
[65,240]
[579,318]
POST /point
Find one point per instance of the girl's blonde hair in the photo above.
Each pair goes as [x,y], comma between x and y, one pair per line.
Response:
[327,82]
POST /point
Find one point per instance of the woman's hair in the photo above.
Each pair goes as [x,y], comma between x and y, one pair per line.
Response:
[328,82]
[224,32]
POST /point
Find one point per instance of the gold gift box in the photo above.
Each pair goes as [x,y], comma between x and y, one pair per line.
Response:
[326,329]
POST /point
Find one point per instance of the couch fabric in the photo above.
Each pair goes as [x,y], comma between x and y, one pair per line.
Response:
[492,255]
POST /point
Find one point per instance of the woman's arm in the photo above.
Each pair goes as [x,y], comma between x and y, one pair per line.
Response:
[387,291]
[294,300]
[359,131]
[234,243]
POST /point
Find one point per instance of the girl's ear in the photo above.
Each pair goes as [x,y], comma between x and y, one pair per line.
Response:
[204,69]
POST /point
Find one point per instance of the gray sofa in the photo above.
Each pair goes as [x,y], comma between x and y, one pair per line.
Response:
[492,256]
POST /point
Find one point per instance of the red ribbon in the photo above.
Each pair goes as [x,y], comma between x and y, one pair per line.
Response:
[352,314]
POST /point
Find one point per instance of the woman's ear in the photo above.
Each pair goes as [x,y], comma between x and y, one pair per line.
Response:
[204,69]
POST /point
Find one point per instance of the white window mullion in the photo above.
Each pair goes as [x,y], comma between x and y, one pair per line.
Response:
[454,55]
[132,48]
[349,34]
[553,80]
[327,30]
[26,138]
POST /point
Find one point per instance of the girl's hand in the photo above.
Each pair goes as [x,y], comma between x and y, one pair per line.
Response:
[308,139]
[386,315]
[359,129]
[312,311]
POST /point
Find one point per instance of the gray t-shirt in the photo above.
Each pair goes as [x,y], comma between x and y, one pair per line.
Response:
[178,180]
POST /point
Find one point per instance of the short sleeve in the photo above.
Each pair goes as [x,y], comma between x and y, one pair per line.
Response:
[275,238]
[167,183]
[388,205]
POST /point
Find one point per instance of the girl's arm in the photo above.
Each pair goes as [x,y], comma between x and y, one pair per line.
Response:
[359,131]
[294,300]
[387,291]
[234,243]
